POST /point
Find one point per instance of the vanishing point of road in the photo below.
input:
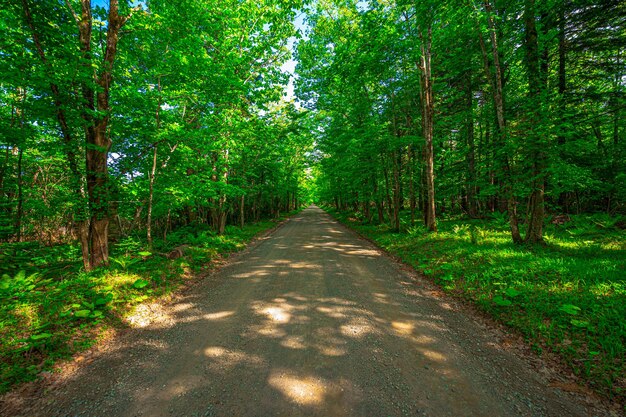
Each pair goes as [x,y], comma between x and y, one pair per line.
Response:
[310,321]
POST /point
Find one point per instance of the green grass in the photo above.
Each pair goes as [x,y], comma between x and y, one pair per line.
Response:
[568,296]
[50,309]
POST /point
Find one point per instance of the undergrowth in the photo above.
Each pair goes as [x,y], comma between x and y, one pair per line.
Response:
[568,296]
[51,309]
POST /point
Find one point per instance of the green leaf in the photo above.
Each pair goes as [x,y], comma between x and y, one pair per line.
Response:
[140,283]
[41,336]
[498,300]
[579,323]
[447,277]
[103,300]
[5,283]
[512,292]
[144,253]
[82,313]
[570,309]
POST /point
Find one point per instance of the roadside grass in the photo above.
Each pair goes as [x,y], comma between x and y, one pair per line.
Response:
[568,296]
[50,309]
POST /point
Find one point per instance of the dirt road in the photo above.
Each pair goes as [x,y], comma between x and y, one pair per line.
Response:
[312,321]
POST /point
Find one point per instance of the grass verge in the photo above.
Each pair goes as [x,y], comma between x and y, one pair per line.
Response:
[568,296]
[50,309]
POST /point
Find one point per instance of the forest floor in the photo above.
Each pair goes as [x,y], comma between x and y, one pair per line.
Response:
[312,320]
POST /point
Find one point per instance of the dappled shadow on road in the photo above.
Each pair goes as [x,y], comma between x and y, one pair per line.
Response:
[310,322]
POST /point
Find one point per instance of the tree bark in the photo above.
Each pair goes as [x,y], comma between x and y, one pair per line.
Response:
[428,110]
[153,170]
[77,182]
[412,198]
[472,207]
[242,219]
[218,214]
[536,206]
[151,195]
[20,196]
[396,192]
[96,115]
[498,97]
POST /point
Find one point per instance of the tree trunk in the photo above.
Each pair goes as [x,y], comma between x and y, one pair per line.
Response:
[242,219]
[566,196]
[151,195]
[428,110]
[412,199]
[388,195]
[77,179]
[472,209]
[20,196]
[96,115]
[396,192]
[498,97]
[218,213]
[536,208]
[157,121]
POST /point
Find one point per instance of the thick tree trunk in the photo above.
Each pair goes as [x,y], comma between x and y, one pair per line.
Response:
[428,110]
[536,206]
[96,116]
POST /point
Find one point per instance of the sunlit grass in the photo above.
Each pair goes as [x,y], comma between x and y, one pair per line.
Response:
[568,296]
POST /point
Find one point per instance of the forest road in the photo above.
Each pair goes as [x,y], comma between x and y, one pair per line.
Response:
[310,321]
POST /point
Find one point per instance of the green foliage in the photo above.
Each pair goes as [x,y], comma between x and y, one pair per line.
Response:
[568,296]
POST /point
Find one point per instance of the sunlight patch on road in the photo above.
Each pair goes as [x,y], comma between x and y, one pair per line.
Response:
[423,339]
[331,350]
[215,351]
[356,330]
[277,314]
[302,265]
[403,327]
[223,359]
[219,315]
[334,312]
[293,342]
[300,390]
[254,273]
[432,355]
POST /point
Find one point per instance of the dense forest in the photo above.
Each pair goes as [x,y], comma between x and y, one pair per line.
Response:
[133,128]
[117,118]
[514,107]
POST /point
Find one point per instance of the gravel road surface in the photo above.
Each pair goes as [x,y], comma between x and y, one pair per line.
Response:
[311,321]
